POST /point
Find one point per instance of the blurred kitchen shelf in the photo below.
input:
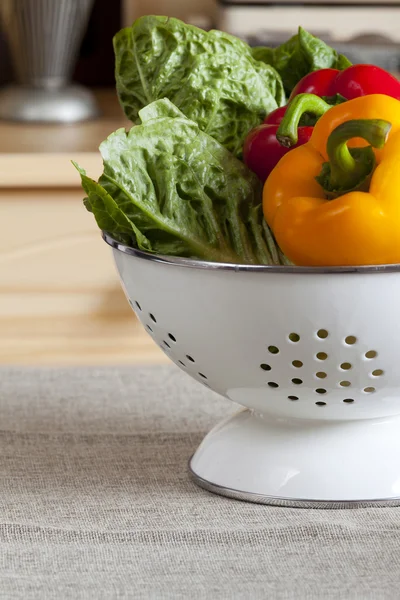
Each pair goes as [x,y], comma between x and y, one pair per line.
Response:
[39,155]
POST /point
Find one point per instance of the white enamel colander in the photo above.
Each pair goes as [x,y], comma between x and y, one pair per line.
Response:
[314,355]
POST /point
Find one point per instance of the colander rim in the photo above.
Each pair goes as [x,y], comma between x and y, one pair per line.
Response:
[217,266]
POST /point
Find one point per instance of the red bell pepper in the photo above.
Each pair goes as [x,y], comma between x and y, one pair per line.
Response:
[262,151]
[276,116]
[355,81]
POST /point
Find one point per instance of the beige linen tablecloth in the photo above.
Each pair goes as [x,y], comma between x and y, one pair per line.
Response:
[95,502]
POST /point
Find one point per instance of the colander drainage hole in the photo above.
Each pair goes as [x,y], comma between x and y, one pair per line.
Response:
[297,381]
[320,391]
[138,305]
[190,358]
[172,337]
[265,367]
[320,375]
[371,354]
[152,317]
[345,366]
[350,340]
[293,398]
[297,363]
[273,349]
[377,372]
[202,375]
[322,334]
[273,384]
[345,383]
[181,363]
[348,400]
[294,337]
[322,356]
[320,403]
[166,344]
[369,390]
[149,328]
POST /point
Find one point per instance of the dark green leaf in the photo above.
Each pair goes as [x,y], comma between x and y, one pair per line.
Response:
[108,215]
[264,54]
[170,188]
[342,62]
[211,77]
[300,55]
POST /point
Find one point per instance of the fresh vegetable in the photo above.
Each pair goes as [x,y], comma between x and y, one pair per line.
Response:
[175,184]
[355,81]
[211,77]
[264,147]
[300,55]
[317,82]
[302,105]
[336,199]
[276,116]
[262,150]
[170,188]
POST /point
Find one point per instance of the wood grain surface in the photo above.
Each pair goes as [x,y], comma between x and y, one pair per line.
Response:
[60,298]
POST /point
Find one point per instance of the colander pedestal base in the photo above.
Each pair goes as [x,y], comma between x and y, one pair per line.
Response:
[304,463]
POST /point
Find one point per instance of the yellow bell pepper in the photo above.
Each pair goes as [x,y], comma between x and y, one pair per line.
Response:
[333,203]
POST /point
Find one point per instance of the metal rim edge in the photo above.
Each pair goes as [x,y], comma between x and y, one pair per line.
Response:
[213,266]
[288,502]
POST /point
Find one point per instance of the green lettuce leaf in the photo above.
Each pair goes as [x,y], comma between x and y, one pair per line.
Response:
[211,77]
[170,188]
[300,55]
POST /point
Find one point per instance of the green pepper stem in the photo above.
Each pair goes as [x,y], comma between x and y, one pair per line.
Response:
[345,171]
[303,103]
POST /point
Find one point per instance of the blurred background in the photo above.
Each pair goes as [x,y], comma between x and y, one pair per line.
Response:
[60,300]
[368,31]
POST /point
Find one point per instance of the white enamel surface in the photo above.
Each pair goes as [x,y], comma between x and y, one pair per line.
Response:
[225,321]
[332,461]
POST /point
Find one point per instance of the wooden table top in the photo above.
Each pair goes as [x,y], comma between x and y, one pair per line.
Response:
[61,302]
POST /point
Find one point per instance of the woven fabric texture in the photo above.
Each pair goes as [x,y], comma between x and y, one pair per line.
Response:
[96,503]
